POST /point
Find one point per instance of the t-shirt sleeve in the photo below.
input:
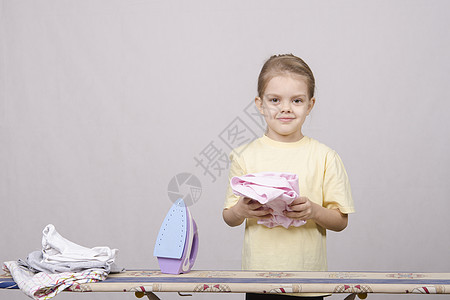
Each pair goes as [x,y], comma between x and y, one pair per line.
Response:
[336,186]
[236,169]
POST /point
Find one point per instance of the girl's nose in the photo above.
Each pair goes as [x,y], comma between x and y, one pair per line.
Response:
[286,106]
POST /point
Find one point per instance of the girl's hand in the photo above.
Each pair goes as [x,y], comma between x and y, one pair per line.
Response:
[302,209]
[249,208]
[245,208]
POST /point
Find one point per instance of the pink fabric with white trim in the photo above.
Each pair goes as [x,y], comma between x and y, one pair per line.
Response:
[273,189]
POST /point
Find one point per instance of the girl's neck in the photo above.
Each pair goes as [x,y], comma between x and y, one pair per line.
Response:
[292,138]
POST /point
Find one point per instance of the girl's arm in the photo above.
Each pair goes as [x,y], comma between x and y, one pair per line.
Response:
[245,208]
[305,209]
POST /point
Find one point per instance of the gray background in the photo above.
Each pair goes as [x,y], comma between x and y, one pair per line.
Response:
[103,102]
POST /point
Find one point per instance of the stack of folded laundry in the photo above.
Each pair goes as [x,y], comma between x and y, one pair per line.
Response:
[59,265]
[274,190]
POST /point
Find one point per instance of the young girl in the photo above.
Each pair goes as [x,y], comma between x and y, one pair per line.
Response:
[286,97]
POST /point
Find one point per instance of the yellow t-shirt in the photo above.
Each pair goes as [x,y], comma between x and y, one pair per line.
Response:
[322,178]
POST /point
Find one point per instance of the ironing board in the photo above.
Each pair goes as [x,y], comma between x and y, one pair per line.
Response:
[145,282]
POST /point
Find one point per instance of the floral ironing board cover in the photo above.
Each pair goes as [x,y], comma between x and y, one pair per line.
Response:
[264,282]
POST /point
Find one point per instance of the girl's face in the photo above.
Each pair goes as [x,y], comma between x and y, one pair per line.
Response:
[285,105]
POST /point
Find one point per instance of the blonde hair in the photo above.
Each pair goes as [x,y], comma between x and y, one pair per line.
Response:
[285,64]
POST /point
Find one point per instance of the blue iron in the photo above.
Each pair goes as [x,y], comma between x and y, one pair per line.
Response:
[177,243]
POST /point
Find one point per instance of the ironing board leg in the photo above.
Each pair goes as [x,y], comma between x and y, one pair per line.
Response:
[353,296]
[151,296]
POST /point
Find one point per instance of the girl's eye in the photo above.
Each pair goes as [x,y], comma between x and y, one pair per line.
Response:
[274,100]
[297,101]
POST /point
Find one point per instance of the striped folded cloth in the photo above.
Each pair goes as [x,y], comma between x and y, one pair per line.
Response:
[44,286]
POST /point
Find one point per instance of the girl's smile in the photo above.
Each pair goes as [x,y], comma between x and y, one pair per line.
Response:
[285,119]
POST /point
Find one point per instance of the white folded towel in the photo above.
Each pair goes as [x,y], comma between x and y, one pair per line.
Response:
[56,249]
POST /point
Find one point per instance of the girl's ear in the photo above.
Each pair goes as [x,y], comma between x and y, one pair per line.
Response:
[312,101]
[259,105]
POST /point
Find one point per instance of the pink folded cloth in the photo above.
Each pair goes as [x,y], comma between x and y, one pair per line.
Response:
[274,190]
